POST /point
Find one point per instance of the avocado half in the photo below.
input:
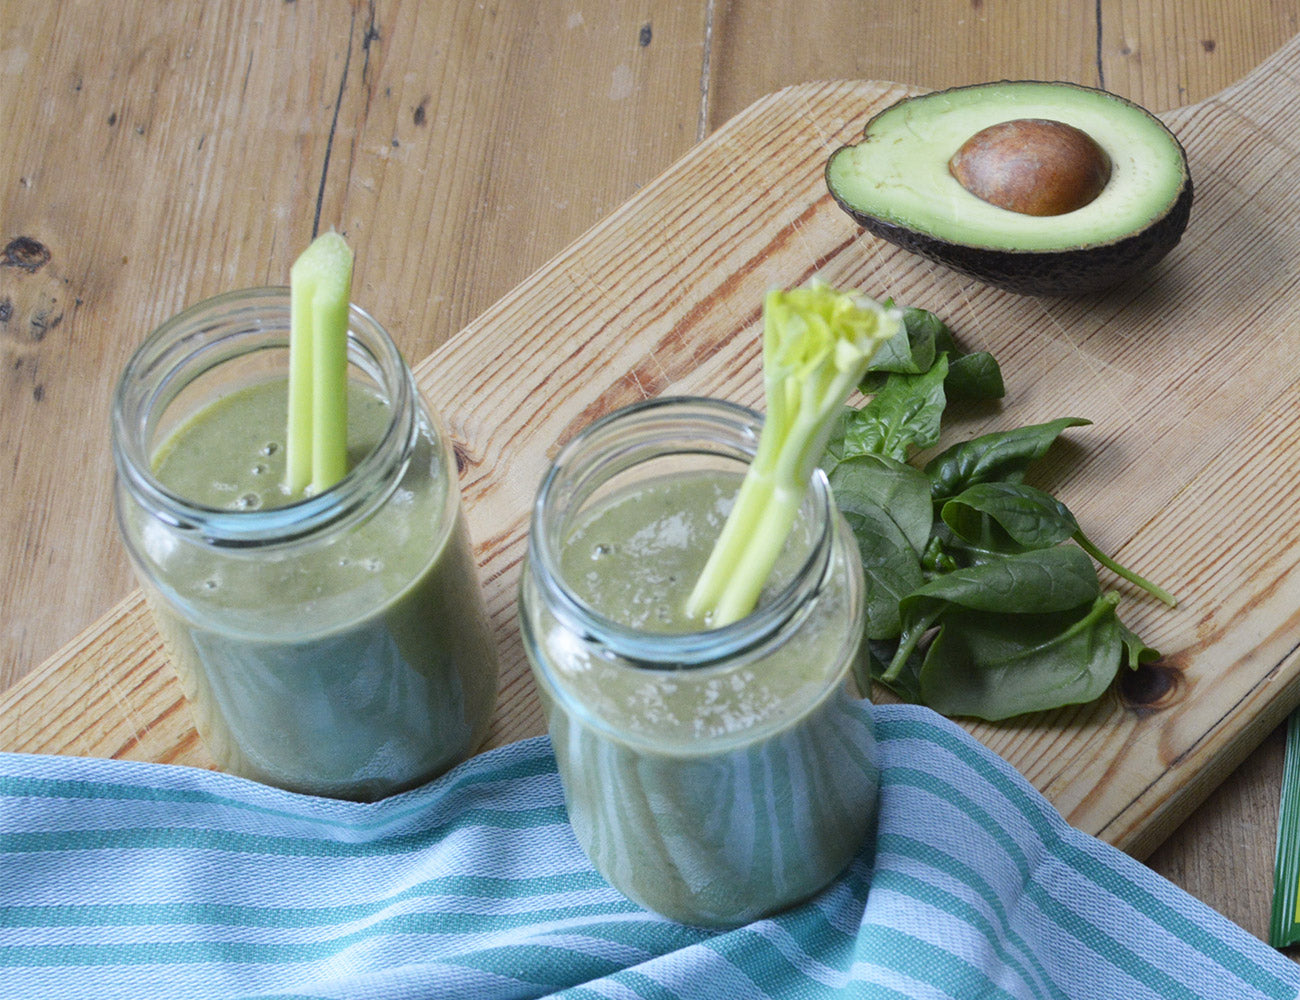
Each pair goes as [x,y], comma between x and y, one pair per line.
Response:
[896,183]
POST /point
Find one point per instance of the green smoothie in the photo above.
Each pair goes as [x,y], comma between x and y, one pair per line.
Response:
[351,664]
[713,794]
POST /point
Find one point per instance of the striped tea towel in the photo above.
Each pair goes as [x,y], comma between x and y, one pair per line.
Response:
[139,880]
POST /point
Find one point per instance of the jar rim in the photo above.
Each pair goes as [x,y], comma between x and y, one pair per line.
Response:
[673,650]
[209,327]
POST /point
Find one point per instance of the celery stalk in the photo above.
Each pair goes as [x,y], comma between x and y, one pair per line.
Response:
[320,285]
[817,343]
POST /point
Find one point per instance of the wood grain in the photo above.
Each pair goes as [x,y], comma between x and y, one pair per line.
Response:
[662,297]
[1162,53]
[173,152]
[189,149]
[167,152]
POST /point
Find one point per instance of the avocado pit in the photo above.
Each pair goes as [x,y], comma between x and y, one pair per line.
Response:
[1034,166]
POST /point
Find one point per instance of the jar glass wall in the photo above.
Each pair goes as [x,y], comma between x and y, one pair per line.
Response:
[338,644]
[712,775]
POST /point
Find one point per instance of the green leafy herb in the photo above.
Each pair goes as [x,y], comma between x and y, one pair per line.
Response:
[1123,571]
[909,381]
[1024,632]
[894,486]
[913,352]
[1001,455]
[983,596]
[903,415]
[887,504]
[995,666]
[975,376]
[816,346]
[1008,516]
[892,564]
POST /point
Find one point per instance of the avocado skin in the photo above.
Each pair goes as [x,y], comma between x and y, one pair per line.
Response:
[1064,272]
[1052,272]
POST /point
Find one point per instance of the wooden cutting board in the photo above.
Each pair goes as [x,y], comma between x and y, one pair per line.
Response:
[1190,472]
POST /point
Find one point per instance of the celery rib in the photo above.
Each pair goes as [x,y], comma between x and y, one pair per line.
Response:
[317,422]
[817,343]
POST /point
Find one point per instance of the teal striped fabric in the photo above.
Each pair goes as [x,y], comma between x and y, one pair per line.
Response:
[138,880]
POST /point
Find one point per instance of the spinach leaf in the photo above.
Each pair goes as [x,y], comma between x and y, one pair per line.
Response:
[903,415]
[913,350]
[948,551]
[1055,579]
[976,602]
[891,566]
[975,376]
[887,504]
[902,490]
[1136,652]
[1124,572]
[1008,517]
[872,662]
[834,453]
[994,666]
[994,517]
[1040,582]
[1001,455]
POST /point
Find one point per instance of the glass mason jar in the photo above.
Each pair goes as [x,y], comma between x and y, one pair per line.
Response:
[337,645]
[712,775]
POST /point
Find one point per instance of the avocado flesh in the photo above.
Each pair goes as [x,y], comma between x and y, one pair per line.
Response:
[896,183]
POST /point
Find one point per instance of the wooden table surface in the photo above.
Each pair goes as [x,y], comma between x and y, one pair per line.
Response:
[155,154]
